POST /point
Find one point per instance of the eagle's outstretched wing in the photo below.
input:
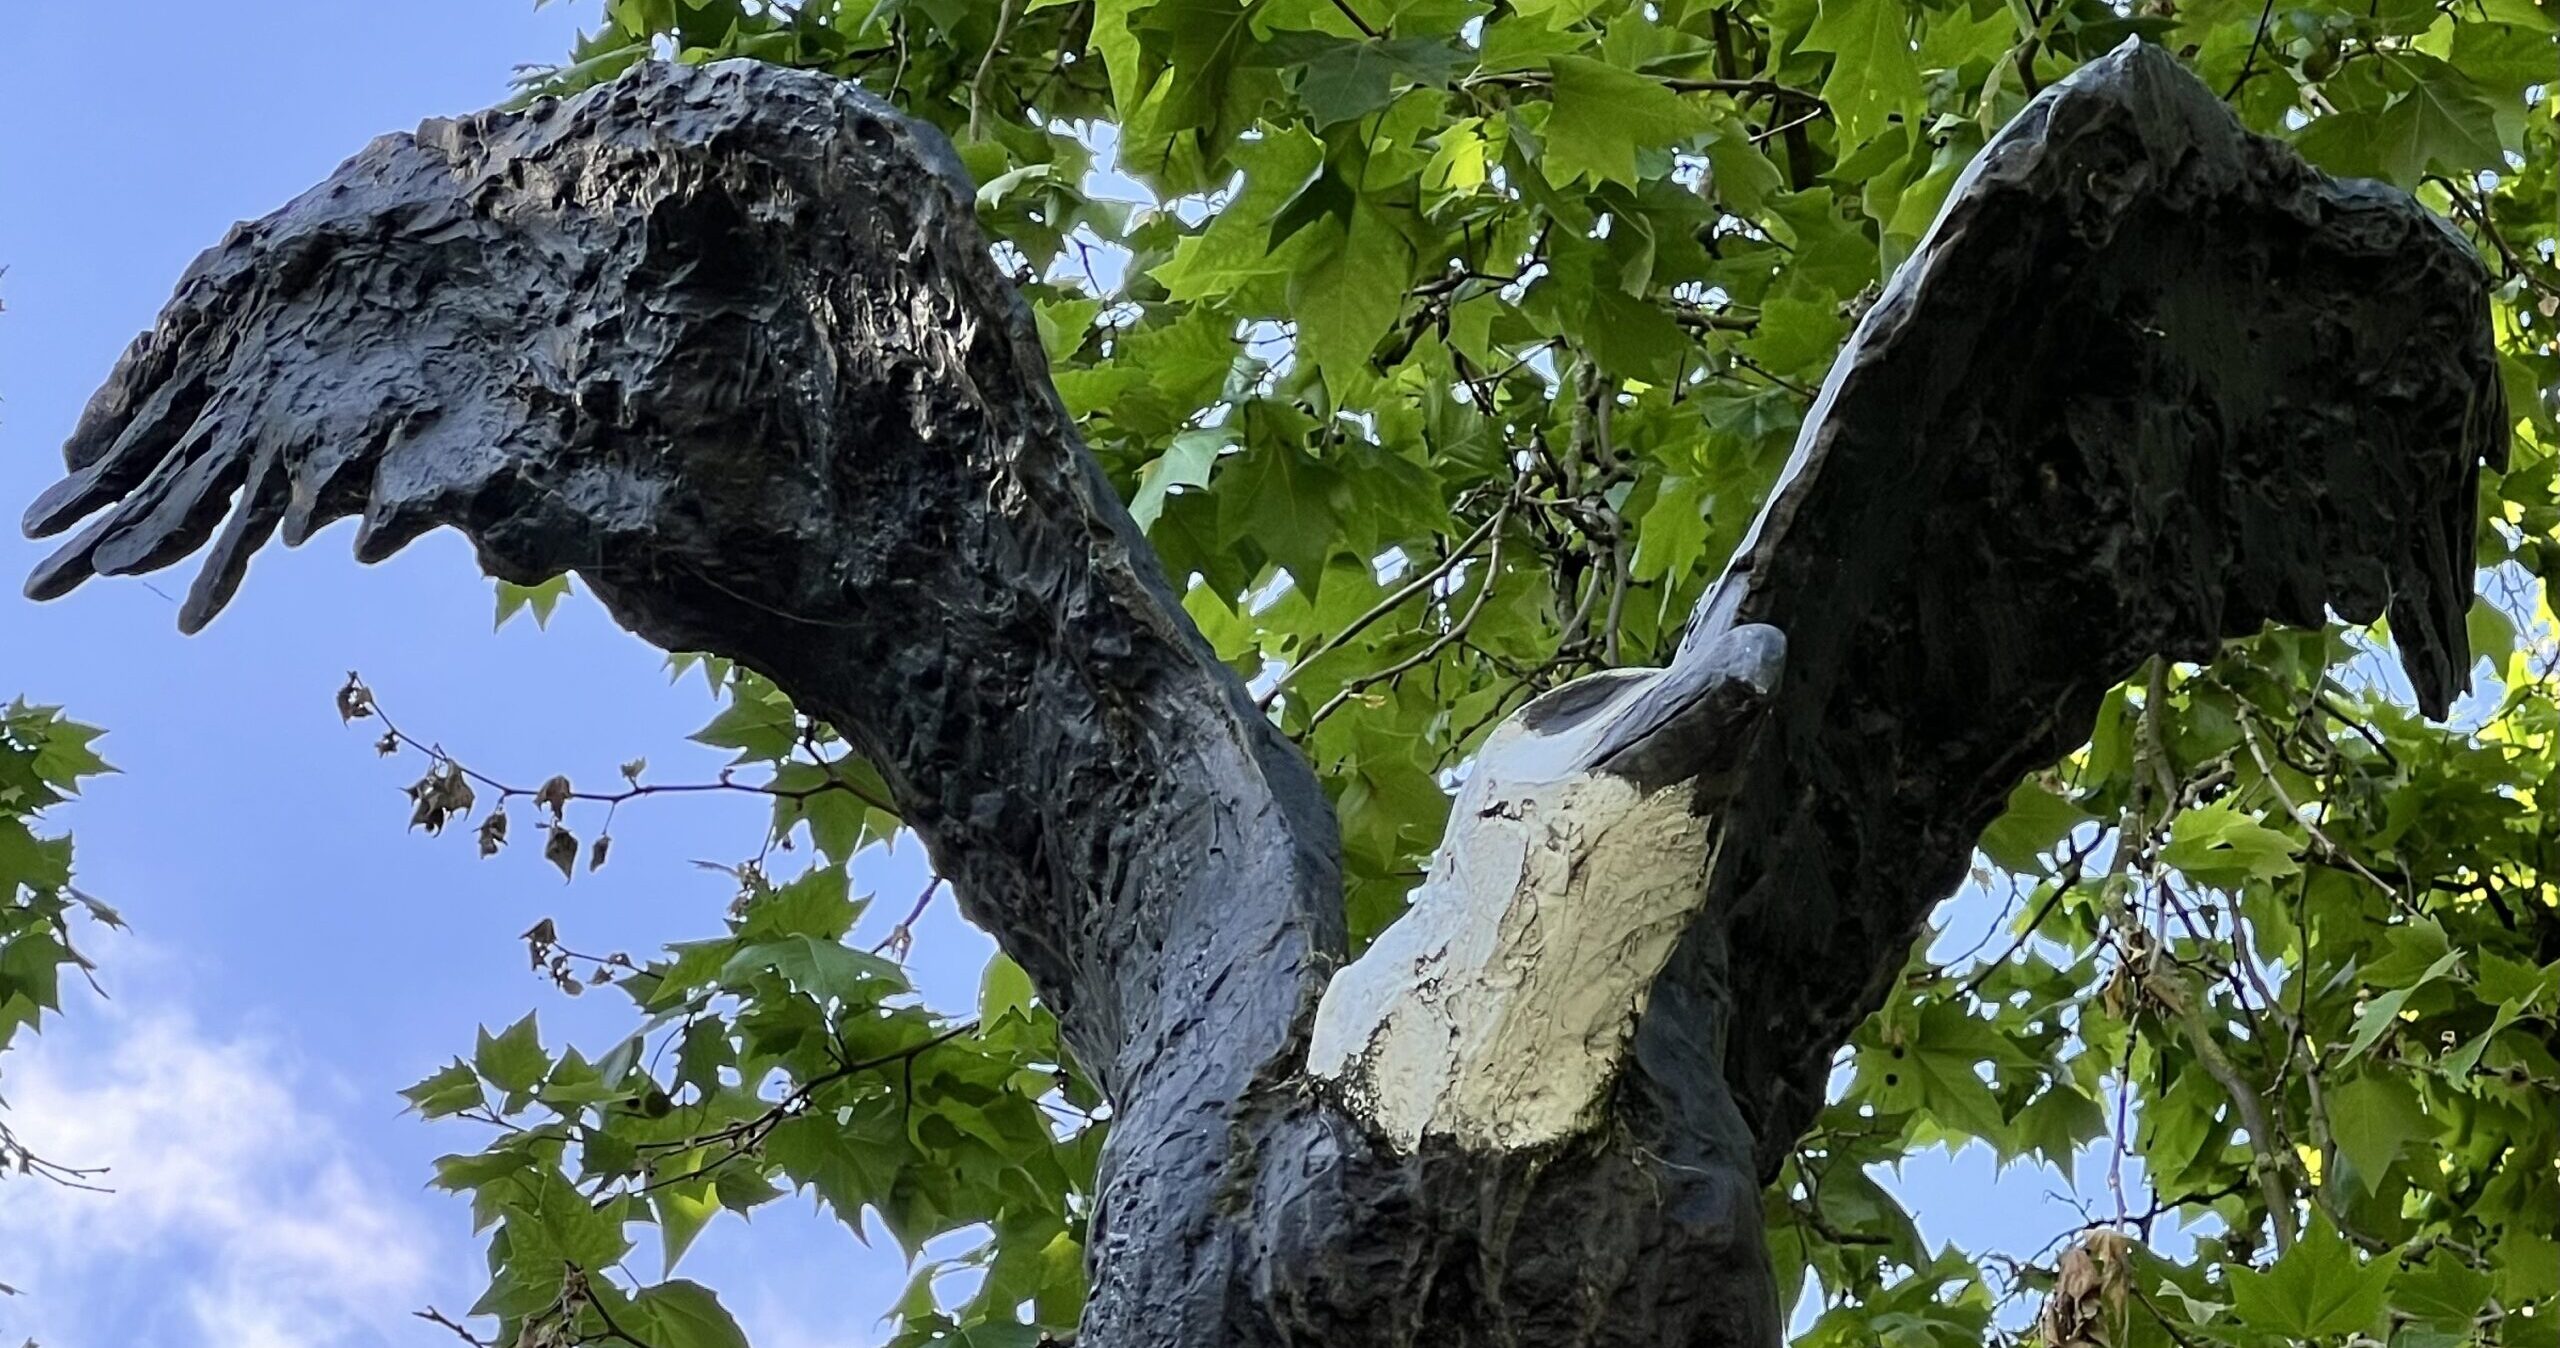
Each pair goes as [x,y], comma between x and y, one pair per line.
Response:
[534,326]
[2148,383]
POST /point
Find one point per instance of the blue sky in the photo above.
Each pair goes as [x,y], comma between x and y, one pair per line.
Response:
[297,956]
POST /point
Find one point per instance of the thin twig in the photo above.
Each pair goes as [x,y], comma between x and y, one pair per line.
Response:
[987,63]
[508,792]
[746,1135]
[1456,632]
[2165,1327]
[2478,213]
[2248,62]
[1794,386]
[1676,84]
[1760,137]
[1387,605]
[2248,1101]
[613,1329]
[1618,579]
[14,1156]
[2063,883]
[903,934]
[436,1317]
[2250,736]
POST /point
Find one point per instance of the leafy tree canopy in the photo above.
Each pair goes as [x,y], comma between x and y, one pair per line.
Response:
[1452,350]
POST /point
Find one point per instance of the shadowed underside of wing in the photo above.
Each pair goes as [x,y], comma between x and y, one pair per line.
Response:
[2149,383]
[297,359]
[537,327]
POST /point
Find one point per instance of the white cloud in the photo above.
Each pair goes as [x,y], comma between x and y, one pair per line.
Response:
[242,1217]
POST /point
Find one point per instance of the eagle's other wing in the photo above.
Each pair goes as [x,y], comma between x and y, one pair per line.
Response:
[2148,383]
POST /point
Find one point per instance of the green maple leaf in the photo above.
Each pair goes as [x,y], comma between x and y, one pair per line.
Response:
[2218,845]
[2035,821]
[849,1165]
[1603,115]
[513,1060]
[2318,1288]
[818,904]
[540,599]
[1933,1068]
[1281,500]
[1347,294]
[1003,988]
[685,1314]
[2374,1117]
[2438,125]
[1346,79]
[2443,1291]
[1874,73]
[449,1091]
[2054,1124]
[823,969]
[684,1206]
[550,1223]
[1185,463]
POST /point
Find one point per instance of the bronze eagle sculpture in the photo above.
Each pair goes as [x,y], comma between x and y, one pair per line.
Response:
[728,342]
